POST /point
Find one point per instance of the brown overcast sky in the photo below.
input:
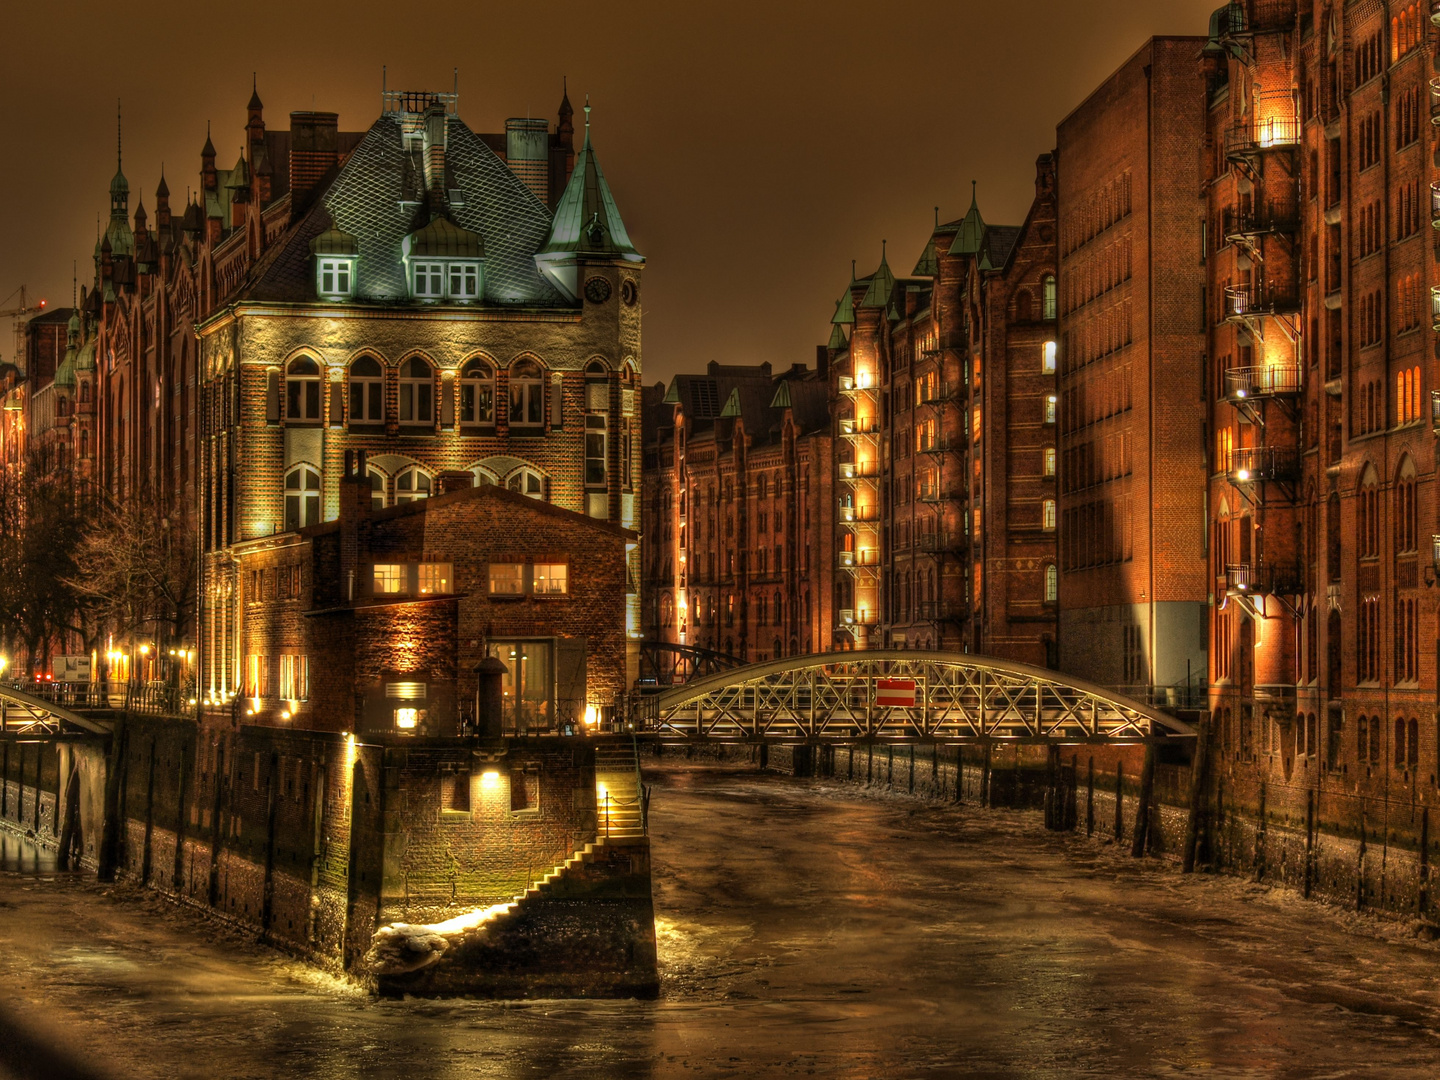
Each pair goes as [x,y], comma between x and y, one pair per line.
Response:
[754,148]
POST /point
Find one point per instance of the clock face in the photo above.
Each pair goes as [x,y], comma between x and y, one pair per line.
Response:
[629,293]
[597,290]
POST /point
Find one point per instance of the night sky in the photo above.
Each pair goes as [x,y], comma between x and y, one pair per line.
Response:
[754,148]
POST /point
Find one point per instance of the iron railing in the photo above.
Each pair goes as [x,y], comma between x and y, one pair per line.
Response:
[1253,463]
[1272,380]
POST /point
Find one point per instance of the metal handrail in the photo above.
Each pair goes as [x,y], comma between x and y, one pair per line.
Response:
[1267,381]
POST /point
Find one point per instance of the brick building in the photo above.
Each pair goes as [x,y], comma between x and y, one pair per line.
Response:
[1133,586]
[374,623]
[740,508]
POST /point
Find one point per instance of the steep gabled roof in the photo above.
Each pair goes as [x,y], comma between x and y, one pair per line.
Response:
[971,235]
[882,285]
[587,220]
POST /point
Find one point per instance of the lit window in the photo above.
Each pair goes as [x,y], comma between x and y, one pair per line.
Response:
[406,718]
[428,280]
[367,392]
[477,393]
[551,579]
[1048,296]
[302,390]
[417,392]
[294,678]
[334,277]
[1047,514]
[389,579]
[507,579]
[1049,461]
[302,497]
[527,403]
[1048,364]
[434,578]
[464,281]
[1052,584]
[377,488]
[411,484]
[1051,407]
[595,448]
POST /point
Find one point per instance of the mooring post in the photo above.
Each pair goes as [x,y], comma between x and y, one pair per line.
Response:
[985,778]
[68,838]
[1051,752]
[1423,895]
[912,768]
[1260,837]
[1197,796]
[1090,799]
[1309,841]
[1072,794]
[110,823]
[1119,801]
[1360,860]
[1142,812]
[959,774]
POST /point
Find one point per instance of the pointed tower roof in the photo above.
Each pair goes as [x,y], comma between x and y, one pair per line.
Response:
[781,400]
[587,222]
[162,190]
[208,150]
[732,407]
[845,306]
[837,339]
[255,102]
[882,284]
[971,235]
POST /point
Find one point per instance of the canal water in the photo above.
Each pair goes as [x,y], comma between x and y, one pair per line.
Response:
[803,930]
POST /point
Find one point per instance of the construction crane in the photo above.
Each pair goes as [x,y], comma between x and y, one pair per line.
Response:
[18,314]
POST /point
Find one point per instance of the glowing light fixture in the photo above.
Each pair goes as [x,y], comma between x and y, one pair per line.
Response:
[489,779]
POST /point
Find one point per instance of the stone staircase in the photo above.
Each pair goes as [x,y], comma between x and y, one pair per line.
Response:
[619,809]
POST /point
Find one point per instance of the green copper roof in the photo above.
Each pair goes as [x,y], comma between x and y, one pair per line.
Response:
[985,261]
[586,218]
[837,339]
[971,236]
[882,284]
[65,373]
[85,359]
[845,306]
[781,400]
[732,405]
[672,395]
[929,264]
[335,242]
[443,239]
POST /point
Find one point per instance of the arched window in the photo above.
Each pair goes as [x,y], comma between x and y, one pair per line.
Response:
[1413,744]
[1048,294]
[1399,742]
[417,392]
[84,392]
[302,497]
[483,478]
[1052,583]
[411,484]
[1368,516]
[1047,514]
[84,443]
[477,393]
[62,406]
[367,391]
[302,390]
[1049,461]
[1407,533]
[527,402]
[526,481]
[377,488]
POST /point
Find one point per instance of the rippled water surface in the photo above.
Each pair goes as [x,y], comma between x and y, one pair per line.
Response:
[803,931]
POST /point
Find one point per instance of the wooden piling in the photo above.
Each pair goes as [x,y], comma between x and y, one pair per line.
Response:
[1119,801]
[1090,799]
[1198,769]
[1309,842]
[1142,812]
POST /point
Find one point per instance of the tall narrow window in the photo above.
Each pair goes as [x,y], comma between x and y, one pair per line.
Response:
[1048,296]
[477,393]
[302,390]
[411,484]
[302,497]
[1052,404]
[367,391]
[1052,583]
[417,392]
[377,488]
[595,449]
[1047,514]
[527,402]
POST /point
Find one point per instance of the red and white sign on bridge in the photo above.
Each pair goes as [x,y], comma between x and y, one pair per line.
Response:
[895,693]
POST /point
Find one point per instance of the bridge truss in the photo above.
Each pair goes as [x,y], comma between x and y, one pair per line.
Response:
[25,713]
[664,664]
[958,697]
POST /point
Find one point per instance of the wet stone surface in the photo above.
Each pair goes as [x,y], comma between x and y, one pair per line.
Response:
[803,930]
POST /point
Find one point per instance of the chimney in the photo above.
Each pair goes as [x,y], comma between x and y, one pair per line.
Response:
[455,480]
[822,360]
[435,154]
[354,516]
[527,152]
[314,151]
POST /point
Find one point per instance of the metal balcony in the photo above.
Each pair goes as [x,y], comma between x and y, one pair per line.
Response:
[1272,380]
[937,446]
[1257,136]
[1435,411]
[851,515]
[1435,98]
[936,543]
[859,470]
[1263,579]
[941,611]
[851,617]
[1238,226]
[1251,301]
[1255,464]
[938,395]
[849,385]
[865,425]
[1435,307]
[850,560]
[930,494]
[1435,205]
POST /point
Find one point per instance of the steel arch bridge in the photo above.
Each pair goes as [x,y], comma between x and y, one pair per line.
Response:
[25,713]
[958,697]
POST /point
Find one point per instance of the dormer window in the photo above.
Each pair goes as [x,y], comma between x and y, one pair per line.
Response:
[464,281]
[333,278]
[446,262]
[427,280]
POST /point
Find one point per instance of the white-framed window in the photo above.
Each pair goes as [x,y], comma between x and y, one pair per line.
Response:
[367,391]
[377,487]
[551,579]
[302,390]
[417,392]
[435,578]
[1052,407]
[1049,461]
[1047,362]
[595,449]
[1052,583]
[527,482]
[427,280]
[1047,515]
[507,579]
[333,277]
[389,579]
[527,394]
[477,393]
[483,477]
[294,677]
[302,497]
[464,280]
[411,484]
